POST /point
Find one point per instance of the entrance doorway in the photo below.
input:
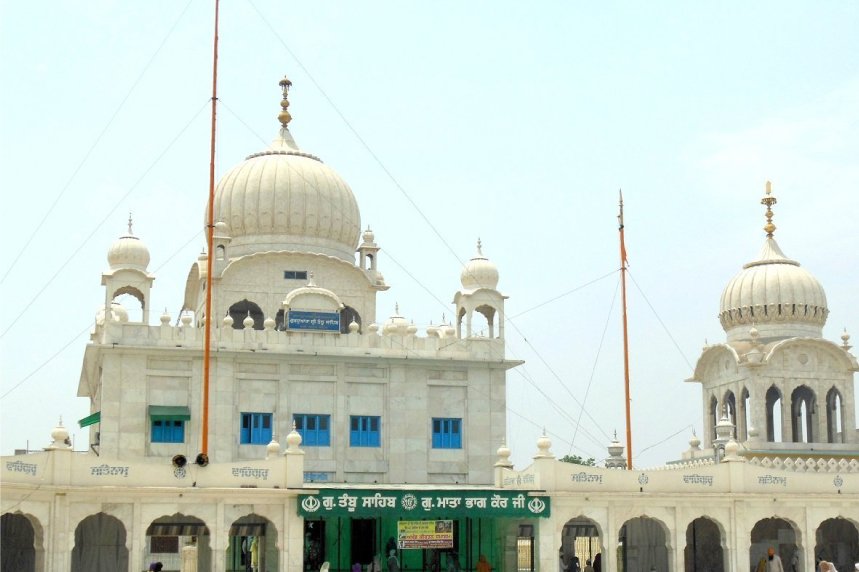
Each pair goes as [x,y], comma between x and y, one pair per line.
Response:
[364,539]
[314,544]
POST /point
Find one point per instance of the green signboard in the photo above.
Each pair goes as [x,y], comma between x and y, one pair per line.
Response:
[422,503]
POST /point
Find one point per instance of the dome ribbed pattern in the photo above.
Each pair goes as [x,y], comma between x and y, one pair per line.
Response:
[128,252]
[288,200]
[773,289]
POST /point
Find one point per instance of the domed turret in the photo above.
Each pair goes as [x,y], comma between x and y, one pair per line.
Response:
[128,252]
[286,199]
[773,293]
[479,272]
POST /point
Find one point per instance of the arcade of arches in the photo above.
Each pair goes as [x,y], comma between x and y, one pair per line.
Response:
[643,544]
[101,544]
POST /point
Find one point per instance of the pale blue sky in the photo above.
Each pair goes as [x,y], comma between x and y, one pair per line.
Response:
[510,121]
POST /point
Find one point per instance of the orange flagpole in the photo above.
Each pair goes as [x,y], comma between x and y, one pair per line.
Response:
[210,230]
[623,265]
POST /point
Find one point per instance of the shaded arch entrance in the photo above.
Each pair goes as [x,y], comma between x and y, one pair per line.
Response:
[168,536]
[774,416]
[643,545]
[252,545]
[99,545]
[705,551]
[778,533]
[580,539]
[803,410]
[21,546]
[834,417]
[837,541]
[241,310]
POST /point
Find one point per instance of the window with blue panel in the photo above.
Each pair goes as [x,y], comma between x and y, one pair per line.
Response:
[446,433]
[315,429]
[168,431]
[365,431]
[256,429]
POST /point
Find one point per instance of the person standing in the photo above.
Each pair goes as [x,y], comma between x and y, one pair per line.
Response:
[483,564]
[588,567]
[393,563]
[772,562]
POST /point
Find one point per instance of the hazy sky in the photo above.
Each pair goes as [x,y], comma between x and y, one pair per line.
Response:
[513,122]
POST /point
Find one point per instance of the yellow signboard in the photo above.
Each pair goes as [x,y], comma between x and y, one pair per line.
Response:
[425,534]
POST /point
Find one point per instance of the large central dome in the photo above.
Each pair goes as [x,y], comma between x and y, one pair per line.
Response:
[286,199]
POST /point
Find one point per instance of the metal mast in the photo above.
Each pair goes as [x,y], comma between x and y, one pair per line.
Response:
[623,265]
[210,229]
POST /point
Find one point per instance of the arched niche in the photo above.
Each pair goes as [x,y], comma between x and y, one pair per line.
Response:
[777,533]
[774,414]
[837,541]
[834,416]
[100,545]
[241,310]
[729,402]
[168,536]
[705,546]
[21,543]
[252,544]
[803,418]
[347,315]
[580,538]
[643,544]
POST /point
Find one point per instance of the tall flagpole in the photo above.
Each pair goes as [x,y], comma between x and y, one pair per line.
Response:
[210,230]
[623,265]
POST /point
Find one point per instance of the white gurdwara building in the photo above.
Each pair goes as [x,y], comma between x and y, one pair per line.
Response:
[392,437]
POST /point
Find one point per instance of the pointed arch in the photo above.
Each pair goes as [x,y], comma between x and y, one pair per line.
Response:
[778,533]
[713,416]
[834,416]
[744,415]
[347,315]
[836,540]
[705,545]
[22,545]
[729,402]
[644,544]
[774,414]
[581,538]
[803,415]
[100,544]
[174,533]
[241,310]
[252,542]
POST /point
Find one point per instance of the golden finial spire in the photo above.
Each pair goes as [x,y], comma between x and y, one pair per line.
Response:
[769,201]
[284,117]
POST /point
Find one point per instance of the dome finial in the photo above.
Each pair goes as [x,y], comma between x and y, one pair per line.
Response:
[130,222]
[479,247]
[284,117]
[769,201]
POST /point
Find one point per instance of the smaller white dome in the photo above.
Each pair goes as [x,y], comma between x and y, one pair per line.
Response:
[128,252]
[694,442]
[479,272]
[118,313]
[272,449]
[369,237]
[60,436]
[396,324]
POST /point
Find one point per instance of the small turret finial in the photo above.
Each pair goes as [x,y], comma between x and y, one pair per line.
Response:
[130,222]
[769,200]
[284,117]
[479,247]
